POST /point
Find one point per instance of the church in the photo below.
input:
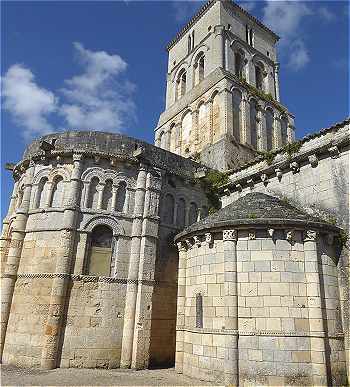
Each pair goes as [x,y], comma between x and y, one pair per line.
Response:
[221,249]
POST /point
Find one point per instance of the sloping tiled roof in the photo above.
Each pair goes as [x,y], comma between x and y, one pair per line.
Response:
[256,208]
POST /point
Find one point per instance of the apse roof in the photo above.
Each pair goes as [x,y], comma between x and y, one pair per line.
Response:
[258,209]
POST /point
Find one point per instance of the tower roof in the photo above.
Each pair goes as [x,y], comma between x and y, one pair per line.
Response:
[204,9]
[258,209]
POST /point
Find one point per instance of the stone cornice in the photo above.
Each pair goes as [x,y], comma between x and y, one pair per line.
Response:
[326,143]
[335,335]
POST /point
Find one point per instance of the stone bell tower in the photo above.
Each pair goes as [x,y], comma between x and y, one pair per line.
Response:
[222,94]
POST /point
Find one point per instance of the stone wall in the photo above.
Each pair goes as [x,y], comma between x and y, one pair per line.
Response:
[270,311]
[55,312]
[316,178]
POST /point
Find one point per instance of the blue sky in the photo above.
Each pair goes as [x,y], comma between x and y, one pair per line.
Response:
[102,65]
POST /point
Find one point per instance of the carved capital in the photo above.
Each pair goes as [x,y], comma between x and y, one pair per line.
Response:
[264,178]
[189,243]
[251,235]
[290,236]
[181,246]
[313,160]
[294,166]
[310,235]
[77,157]
[278,173]
[209,238]
[250,182]
[197,241]
[333,151]
[271,232]
[229,235]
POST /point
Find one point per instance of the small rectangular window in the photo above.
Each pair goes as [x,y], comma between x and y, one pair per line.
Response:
[247,33]
[251,37]
[199,311]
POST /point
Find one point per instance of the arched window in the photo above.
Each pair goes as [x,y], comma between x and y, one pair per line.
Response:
[181,213]
[186,127]
[202,124]
[193,213]
[269,128]
[284,129]
[181,84]
[41,193]
[57,192]
[168,209]
[121,195]
[253,123]
[239,64]
[216,118]
[100,254]
[107,196]
[237,113]
[199,311]
[259,78]
[199,68]
[93,193]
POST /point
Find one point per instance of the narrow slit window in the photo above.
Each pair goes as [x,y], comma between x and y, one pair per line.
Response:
[199,311]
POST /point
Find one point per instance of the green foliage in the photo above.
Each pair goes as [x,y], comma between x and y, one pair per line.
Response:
[332,220]
[292,147]
[252,216]
[211,185]
[267,156]
[262,95]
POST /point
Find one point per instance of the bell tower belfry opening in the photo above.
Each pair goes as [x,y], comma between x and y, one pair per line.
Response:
[222,87]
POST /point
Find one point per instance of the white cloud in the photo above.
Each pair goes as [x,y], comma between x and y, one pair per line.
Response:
[100,98]
[286,18]
[97,98]
[29,104]
[326,14]
[298,55]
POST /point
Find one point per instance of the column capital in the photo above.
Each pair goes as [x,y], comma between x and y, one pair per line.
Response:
[310,236]
[229,235]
